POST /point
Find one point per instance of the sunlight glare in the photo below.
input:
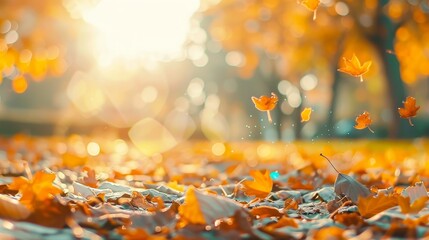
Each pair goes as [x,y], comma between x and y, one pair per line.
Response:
[141,29]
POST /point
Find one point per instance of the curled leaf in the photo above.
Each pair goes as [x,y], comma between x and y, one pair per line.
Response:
[409,110]
[354,68]
[344,184]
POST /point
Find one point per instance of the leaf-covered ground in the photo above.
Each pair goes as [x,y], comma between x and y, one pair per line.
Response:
[103,188]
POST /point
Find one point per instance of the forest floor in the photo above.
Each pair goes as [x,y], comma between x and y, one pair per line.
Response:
[102,188]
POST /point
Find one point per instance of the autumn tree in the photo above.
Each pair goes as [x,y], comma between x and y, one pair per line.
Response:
[284,34]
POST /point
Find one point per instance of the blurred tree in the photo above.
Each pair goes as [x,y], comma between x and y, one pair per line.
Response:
[283,31]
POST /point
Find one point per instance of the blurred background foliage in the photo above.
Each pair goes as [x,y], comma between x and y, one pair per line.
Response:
[188,69]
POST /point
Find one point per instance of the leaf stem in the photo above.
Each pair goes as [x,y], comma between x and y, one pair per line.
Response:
[314,14]
[361,78]
[370,129]
[269,117]
[330,163]
[411,123]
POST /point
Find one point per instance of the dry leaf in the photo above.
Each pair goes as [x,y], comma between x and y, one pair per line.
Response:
[266,103]
[39,189]
[363,121]
[266,211]
[411,208]
[349,219]
[332,233]
[415,192]
[305,114]
[261,185]
[90,179]
[344,184]
[370,206]
[201,208]
[409,110]
[354,67]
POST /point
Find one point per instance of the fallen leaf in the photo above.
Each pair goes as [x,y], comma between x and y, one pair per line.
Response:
[349,219]
[415,192]
[305,114]
[370,206]
[266,211]
[409,110]
[412,208]
[311,5]
[138,233]
[266,103]
[353,67]
[363,121]
[332,233]
[90,179]
[39,189]
[201,208]
[261,185]
[344,184]
[12,209]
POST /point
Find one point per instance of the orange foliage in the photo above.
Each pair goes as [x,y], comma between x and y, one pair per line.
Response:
[353,67]
[266,103]
[363,121]
[409,110]
[261,185]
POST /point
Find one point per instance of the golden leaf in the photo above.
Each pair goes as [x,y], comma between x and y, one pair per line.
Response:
[353,67]
[370,206]
[261,185]
[363,121]
[305,114]
[409,110]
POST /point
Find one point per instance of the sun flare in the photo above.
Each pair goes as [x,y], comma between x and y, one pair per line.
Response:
[136,29]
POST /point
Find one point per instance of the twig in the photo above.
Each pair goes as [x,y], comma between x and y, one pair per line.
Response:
[330,163]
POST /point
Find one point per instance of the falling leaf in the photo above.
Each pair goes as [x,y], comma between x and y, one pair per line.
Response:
[370,206]
[201,208]
[410,109]
[266,103]
[266,211]
[311,5]
[344,184]
[261,185]
[363,121]
[305,114]
[39,189]
[412,208]
[353,67]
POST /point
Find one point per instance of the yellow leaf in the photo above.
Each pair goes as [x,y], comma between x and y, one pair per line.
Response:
[353,67]
[305,114]
[261,185]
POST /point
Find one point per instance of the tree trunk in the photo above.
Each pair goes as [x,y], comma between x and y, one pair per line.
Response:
[384,40]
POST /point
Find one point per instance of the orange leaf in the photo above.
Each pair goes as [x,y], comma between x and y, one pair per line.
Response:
[201,208]
[353,67]
[266,211]
[261,185]
[90,179]
[410,109]
[363,121]
[40,188]
[411,208]
[332,232]
[266,103]
[305,114]
[370,206]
